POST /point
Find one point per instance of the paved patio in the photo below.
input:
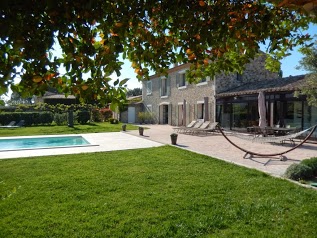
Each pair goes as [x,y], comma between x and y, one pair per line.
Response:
[215,145]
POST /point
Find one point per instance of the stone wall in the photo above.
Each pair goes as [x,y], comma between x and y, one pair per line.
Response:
[194,94]
[254,71]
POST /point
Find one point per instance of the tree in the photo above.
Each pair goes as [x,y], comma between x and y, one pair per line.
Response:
[309,63]
[214,35]
[134,92]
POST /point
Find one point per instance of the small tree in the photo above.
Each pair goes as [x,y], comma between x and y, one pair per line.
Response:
[309,63]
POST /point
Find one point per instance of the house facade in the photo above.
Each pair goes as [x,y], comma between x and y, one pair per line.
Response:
[172,100]
[238,107]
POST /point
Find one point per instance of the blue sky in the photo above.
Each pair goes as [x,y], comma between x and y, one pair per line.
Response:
[288,65]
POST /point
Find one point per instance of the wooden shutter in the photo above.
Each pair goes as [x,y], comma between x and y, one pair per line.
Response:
[160,86]
[168,85]
[177,80]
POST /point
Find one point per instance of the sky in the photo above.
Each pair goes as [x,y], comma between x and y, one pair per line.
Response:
[288,65]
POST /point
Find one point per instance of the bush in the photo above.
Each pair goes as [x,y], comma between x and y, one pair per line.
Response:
[30,118]
[60,119]
[83,117]
[145,117]
[298,172]
[311,163]
[106,113]
[96,115]
[113,121]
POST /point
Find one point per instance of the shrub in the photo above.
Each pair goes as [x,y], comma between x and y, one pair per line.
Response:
[311,163]
[96,115]
[113,121]
[60,119]
[83,117]
[107,113]
[145,117]
[298,172]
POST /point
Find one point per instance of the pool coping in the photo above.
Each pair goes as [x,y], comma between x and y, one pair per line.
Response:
[101,142]
[46,136]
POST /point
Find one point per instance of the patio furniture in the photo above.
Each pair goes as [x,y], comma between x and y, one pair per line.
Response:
[190,129]
[310,131]
[11,124]
[20,123]
[212,127]
[190,125]
[198,128]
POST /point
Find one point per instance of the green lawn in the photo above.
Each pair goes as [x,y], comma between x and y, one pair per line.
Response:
[155,192]
[54,130]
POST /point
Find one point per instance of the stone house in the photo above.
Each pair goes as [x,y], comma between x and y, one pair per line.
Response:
[132,109]
[172,100]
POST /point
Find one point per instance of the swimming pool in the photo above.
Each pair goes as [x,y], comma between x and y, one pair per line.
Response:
[42,142]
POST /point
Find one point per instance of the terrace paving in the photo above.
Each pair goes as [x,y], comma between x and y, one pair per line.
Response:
[215,145]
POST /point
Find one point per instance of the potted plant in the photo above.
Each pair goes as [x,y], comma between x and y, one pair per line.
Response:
[174,138]
[141,129]
[124,127]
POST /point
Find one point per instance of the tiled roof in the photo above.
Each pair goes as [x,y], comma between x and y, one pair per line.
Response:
[291,83]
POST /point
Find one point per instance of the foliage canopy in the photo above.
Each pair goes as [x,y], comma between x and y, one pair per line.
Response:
[215,35]
[309,63]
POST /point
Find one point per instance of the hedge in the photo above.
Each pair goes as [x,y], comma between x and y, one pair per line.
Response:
[30,118]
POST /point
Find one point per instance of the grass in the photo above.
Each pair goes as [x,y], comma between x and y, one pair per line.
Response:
[55,130]
[155,192]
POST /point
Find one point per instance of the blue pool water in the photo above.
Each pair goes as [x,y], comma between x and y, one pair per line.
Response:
[41,142]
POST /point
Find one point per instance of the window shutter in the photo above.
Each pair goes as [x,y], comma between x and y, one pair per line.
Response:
[186,82]
[168,85]
[177,80]
[195,111]
[160,86]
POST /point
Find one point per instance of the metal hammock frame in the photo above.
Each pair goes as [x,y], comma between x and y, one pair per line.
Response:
[251,153]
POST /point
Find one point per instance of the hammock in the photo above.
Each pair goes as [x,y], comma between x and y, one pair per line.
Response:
[270,139]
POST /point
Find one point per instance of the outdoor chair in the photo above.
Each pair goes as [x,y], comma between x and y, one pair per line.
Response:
[212,127]
[190,129]
[181,128]
[11,124]
[198,128]
[20,123]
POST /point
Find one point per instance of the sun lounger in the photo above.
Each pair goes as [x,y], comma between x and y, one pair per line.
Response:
[181,128]
[11,124]
[20,123]
[191,129]
[198,129]
[212,127]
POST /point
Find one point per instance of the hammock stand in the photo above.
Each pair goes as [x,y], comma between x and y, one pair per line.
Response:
[280,154]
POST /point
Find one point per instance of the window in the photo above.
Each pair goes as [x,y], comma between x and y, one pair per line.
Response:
[149,108]
[165,86]
[202,82]
[181,79]
[200,111]
[148,87]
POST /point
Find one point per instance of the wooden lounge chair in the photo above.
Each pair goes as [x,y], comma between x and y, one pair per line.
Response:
[202,127]
[181,128]
[211,128]
[191,129]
